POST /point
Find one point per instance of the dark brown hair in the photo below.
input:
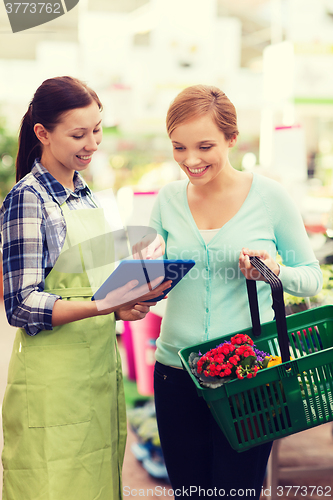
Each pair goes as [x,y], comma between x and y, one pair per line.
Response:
[199,100]
[54,97]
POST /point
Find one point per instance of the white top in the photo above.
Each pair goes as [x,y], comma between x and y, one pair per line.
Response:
[208,234]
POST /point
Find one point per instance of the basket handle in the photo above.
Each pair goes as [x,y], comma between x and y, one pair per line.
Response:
[278,305]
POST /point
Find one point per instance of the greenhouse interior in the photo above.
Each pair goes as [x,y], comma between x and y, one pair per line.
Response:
[274,60]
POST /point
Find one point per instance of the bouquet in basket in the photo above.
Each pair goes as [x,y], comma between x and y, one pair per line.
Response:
[237,358]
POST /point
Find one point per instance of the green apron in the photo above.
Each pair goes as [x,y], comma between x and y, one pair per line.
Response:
[64,417]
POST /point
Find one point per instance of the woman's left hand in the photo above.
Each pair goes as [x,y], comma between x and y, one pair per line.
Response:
[249,271]
[133,313]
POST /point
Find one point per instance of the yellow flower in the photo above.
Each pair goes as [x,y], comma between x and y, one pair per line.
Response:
[274,360]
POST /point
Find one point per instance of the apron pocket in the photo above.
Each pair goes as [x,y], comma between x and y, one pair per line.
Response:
[58,384]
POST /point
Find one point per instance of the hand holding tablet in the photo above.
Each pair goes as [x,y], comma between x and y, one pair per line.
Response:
[145,272]
[131,294]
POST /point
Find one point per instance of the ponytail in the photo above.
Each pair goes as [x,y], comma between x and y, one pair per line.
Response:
[29,146]
[54,97]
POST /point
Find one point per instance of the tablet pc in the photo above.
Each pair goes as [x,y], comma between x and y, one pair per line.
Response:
[145,271]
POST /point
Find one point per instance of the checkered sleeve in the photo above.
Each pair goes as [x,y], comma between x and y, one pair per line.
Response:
[23,241]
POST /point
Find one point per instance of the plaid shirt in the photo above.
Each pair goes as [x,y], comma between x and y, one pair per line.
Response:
[32,232]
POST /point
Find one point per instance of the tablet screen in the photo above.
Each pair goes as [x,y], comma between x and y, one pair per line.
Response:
[145,271]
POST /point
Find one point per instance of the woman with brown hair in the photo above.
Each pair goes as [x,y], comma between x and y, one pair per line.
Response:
[64,415]
[218,216]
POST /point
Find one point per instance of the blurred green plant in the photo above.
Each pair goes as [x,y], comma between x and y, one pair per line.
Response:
[132,155]
[8,151]
[296,304]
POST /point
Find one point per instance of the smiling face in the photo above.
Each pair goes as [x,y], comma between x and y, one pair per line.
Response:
[71,144]
[201,149]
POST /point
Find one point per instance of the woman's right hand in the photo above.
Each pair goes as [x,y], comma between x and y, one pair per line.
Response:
[148,248]
[132,294]
[249,271]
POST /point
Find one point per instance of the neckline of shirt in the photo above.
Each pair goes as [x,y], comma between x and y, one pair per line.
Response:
[57,190]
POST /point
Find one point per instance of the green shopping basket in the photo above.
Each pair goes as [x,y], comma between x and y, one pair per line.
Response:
[284,399]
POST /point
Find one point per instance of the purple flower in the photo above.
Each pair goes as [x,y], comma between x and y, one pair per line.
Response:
[261,355]
[224,343]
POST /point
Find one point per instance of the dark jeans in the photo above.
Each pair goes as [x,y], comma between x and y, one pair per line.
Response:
[198,457]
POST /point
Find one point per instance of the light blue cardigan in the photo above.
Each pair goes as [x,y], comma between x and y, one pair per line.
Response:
[211,301]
